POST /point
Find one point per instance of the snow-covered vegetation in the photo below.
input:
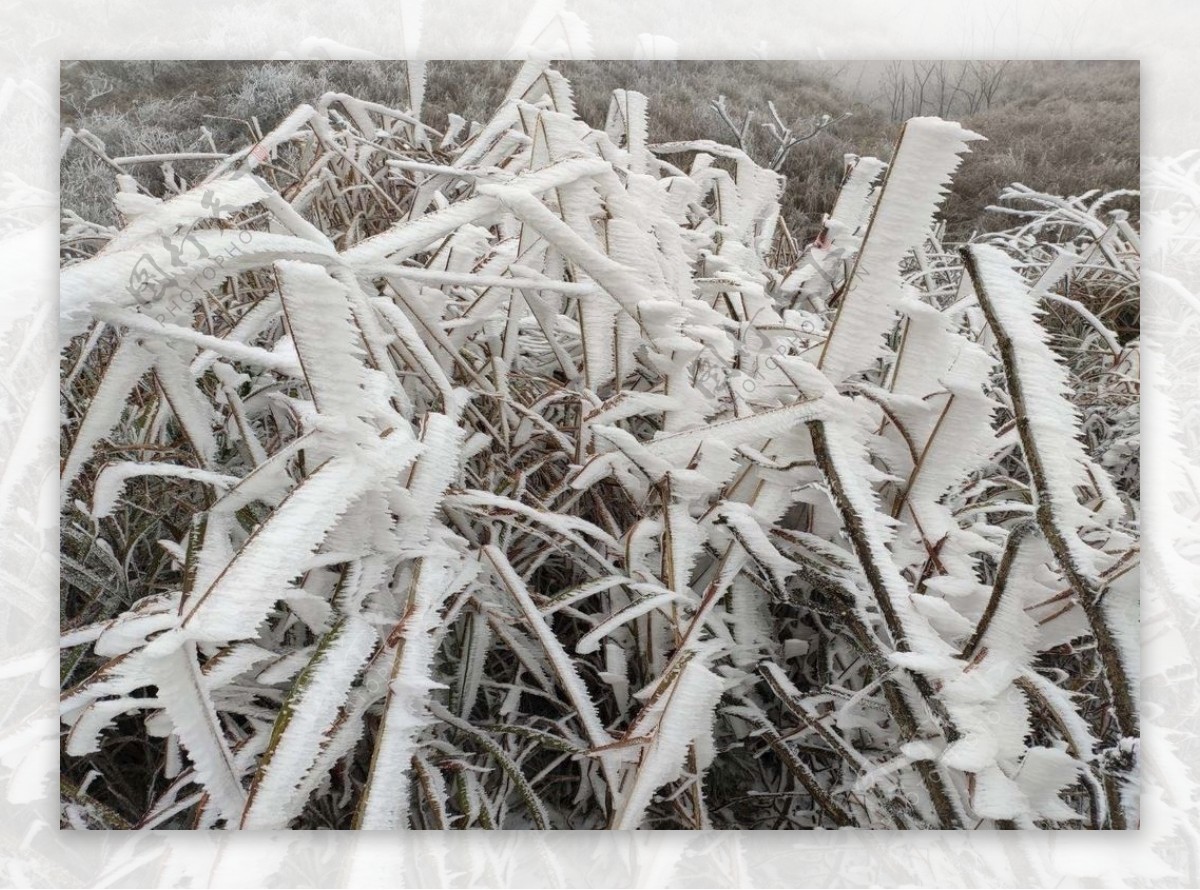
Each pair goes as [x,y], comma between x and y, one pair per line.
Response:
[529,474]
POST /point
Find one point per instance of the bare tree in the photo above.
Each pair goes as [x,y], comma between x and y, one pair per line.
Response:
[987,77]
[784,136]
[942,88]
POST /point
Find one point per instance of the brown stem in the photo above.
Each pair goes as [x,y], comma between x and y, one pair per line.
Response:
[999,587]
[1115,677]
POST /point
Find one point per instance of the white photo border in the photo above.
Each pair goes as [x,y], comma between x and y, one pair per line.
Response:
[1163,34]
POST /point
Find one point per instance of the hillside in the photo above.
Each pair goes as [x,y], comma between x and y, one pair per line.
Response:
[1059,127]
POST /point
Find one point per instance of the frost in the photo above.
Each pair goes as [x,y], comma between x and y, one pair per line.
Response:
[530,474]
[929,152]
[305,720]
[682,718]
[114,476]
